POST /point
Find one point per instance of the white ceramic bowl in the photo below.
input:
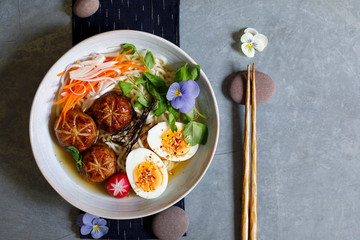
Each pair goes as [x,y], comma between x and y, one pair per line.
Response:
[67,182]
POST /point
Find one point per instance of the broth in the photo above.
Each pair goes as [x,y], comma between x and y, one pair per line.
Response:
[69,165]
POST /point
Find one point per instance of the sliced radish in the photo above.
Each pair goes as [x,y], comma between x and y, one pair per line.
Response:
[118,185]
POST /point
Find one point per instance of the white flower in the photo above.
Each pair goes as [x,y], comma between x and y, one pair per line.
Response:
[251,41]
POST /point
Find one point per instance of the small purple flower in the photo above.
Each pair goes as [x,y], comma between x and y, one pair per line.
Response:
[182,95]
[92,224]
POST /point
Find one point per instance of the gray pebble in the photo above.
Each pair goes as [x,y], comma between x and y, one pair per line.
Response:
[170,224]
[85,8]
[265,87]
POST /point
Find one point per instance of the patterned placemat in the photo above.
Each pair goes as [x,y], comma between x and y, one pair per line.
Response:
[159,17]
[134,229]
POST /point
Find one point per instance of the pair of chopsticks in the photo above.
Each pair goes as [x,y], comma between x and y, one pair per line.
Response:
[252,210]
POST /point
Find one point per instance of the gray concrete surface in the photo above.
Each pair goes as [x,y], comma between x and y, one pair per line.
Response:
[308,133]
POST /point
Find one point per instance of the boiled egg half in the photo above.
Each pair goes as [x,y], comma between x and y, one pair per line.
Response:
[146,172]
[168,144]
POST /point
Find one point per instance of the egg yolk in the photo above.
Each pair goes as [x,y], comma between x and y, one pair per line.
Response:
[147,176]
[174,143]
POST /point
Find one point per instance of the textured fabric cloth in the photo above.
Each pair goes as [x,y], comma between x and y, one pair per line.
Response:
[160,17]
[134,229]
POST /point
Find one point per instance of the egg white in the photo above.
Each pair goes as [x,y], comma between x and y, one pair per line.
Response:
[138,156]
[154,141]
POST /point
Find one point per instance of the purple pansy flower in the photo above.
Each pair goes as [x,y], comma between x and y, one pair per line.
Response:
[92,224]
[182,95]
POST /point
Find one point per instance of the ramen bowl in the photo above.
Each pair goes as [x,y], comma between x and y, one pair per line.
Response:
[60,171]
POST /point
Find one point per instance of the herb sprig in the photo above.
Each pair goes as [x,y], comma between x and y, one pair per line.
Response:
[76,155]
[194,132]
[127,87]
[149,58]
[185,73]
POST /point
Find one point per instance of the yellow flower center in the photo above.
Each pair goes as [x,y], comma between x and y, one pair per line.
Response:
[177,92]
[96,227]
[249,45]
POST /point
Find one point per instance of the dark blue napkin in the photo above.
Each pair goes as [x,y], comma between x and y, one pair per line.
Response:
[159,17]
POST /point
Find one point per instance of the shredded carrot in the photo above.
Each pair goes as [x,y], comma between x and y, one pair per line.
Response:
[75,90]
[109,59]
[63,72]
[108,73]
[70,85]
[131,65]
[62,100]
[59,74]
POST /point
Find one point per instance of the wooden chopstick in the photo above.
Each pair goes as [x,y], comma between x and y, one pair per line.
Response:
[245,194]
[253,197]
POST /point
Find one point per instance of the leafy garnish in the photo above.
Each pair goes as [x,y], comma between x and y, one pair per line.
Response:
[142,100]
[152,90]
[76,155]
[139,80]
[187,117]
[139,105]
[156,92]
[192,115]
[195,133]
[160,107]
[128,46]
[185,73]
[173,114]
[157,81]
[126,87]
[149,60]
[198,113]
[195,73]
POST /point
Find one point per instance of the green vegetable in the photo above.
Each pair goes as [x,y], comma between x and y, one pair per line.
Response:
[195,73]
[190,116]
[127,46]
[158,82]
[173,114]
[76,155]
[187,117]
[152,90]
[139,105]
[195,133]
[198,113]
[139,81]
[149,60]
[142,100]
[126,87]
[157,88]
[160,107]
[185,73]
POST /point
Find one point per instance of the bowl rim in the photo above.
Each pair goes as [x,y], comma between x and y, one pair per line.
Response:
[80,45]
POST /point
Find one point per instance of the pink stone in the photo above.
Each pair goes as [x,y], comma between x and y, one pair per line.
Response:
[85,8]
[265,87]
[170,224]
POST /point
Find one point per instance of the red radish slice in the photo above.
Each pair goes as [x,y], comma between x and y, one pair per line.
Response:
[118,185]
